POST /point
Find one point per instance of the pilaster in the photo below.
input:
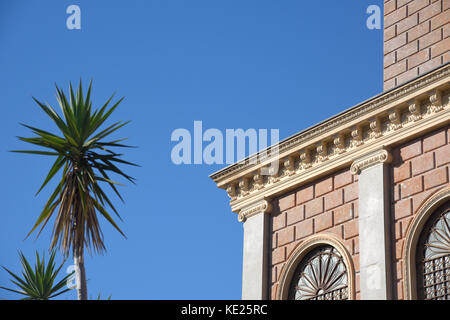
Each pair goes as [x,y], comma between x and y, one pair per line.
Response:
[374,228]
[255,273]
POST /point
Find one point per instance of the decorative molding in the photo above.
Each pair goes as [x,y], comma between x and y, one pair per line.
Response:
[421,216]
[231,191]
[274,175]
[303,176]
[395,119]
[414,110]
[375,127]
[436,101]
[339,143]
[322,151]
[262,206]
[305,157]
[357,136]
[357,112]
[289,165]
[244,185]
[302,249]
[391,118]
[379,156]
[258,180]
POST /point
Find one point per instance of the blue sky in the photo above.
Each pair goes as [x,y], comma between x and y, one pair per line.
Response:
[231,64]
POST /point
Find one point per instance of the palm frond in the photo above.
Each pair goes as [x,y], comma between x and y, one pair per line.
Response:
[38,283]
[85,161]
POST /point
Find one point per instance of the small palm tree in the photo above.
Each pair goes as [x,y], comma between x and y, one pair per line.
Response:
[86,160]
[38,284]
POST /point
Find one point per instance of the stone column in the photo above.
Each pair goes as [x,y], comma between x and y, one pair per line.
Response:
[374,226]
[255,273]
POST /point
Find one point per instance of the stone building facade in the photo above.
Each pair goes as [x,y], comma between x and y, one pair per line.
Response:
[360,205]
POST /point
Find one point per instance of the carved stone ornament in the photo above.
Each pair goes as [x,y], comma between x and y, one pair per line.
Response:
[379,156]
[322,151]
[362,132]
[244,186]
[262,206]
[305,158]
[395,119]
[274,175]
[231,190]
[375,127]
[436,101]
[357,138]
[414,109]
[346,120]
[339,143]
[258,180]
[289,163]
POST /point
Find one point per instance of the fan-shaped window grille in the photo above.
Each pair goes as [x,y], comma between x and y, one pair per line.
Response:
[433,257]
[320,275]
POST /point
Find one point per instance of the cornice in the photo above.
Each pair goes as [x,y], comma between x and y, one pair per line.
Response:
[339,120]
[383,121]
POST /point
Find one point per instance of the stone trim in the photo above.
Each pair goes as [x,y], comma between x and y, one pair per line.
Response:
[374,225]
[412,236]
[287,183]
[256,251]
[377,157]
[345,117]
[391,118]
[302,249]
[263,206]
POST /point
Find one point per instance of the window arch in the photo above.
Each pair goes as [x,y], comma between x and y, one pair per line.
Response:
[321,275]
[320,268]
[421,235]
[433,256]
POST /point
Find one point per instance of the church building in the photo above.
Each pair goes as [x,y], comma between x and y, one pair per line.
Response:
[360,205]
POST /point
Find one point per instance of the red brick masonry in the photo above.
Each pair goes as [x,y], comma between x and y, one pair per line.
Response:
[419,168]
[330,205]
[327,206]
[416,38]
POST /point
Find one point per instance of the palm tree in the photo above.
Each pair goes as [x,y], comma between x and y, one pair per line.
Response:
[38,284]
[86,160]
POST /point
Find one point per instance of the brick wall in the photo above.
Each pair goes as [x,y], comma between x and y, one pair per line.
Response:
[419,168]
[416,38]
[329,205]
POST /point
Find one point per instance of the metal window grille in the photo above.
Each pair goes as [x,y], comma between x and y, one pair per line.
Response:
[433,263]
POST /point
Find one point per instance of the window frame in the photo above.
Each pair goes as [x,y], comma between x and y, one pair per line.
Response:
[419,222]
[305,247]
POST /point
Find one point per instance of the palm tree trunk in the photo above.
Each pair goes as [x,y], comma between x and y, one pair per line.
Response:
[80,273]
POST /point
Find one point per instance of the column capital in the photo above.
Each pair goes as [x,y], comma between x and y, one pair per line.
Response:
[369,160]
[261,206]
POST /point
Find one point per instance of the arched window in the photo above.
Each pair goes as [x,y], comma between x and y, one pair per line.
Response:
[433,256]
[319,268]
[320,275]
